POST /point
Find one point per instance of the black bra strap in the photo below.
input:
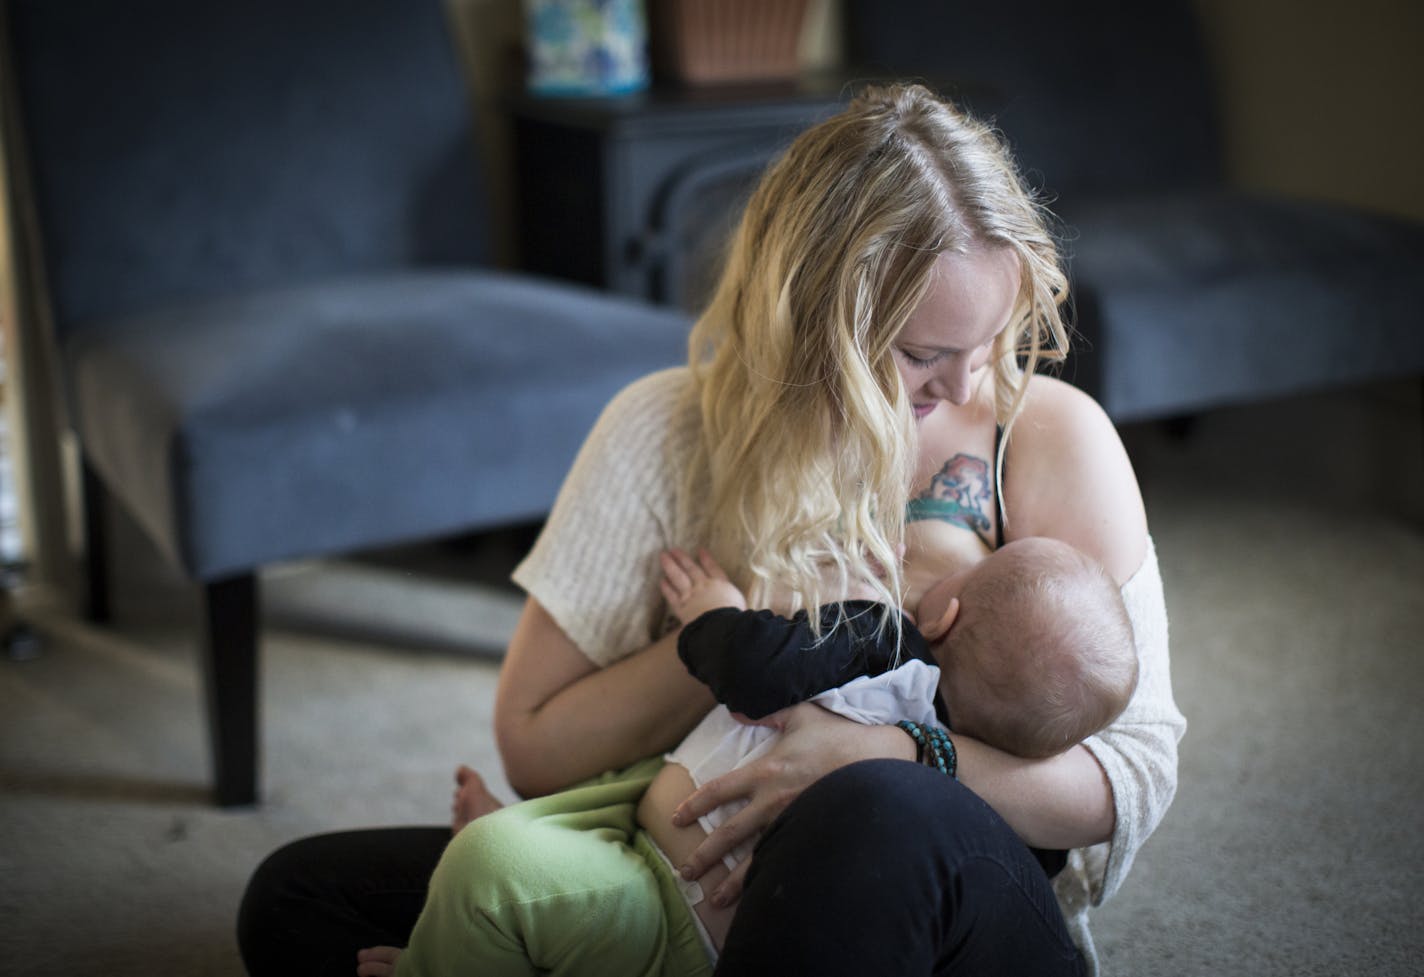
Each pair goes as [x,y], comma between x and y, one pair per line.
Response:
[998,496]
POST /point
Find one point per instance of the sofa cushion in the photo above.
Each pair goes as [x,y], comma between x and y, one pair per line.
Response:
[1194,299]
[290,423]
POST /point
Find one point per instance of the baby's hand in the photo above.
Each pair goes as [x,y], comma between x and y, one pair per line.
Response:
[694,587]
[860,588]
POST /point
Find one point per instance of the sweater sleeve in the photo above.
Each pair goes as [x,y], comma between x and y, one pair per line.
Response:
[1138,751]
[757,662]
[594,567]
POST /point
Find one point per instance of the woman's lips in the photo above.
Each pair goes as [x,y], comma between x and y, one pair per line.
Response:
[923,410]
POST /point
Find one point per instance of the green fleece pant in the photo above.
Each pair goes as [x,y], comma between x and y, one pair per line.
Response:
[564,885]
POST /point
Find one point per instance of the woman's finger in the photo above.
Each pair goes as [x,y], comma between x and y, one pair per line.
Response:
[743,826]
[729,787]
[731,888]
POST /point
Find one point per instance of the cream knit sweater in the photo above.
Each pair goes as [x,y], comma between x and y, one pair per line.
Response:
[595,570]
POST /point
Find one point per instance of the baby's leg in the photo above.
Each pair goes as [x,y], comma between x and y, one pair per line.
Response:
[669,789]
[547,886]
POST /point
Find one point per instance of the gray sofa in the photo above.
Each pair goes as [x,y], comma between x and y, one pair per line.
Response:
[1188,293]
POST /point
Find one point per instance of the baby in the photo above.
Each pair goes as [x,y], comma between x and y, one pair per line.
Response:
[1030,650]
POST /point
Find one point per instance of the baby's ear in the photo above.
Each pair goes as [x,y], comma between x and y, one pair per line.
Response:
[934,630]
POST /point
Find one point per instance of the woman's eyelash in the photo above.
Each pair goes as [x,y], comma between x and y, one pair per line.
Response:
[922,361]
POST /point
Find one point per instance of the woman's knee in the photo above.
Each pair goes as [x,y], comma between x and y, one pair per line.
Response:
[321,898]
[273,899]
[282,876]
[882,798]
[905,826]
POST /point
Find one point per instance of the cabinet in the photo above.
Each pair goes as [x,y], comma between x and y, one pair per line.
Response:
[637,194]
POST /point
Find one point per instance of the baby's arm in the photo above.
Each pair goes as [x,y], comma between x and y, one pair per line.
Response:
[758,662]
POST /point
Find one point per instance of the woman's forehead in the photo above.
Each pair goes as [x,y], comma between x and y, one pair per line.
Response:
[970,298]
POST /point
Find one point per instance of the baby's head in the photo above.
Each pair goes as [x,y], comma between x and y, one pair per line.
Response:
[1041,653]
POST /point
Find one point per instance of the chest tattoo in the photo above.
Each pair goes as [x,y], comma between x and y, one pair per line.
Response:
[961,493]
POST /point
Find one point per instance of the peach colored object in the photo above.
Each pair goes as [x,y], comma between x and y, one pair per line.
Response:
[709,41]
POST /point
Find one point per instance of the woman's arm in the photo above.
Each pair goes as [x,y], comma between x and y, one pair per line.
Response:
[560,719]
[590,681]
[1059,802]
[1068,477]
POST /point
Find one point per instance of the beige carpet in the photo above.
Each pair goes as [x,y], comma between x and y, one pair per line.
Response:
[1292,544]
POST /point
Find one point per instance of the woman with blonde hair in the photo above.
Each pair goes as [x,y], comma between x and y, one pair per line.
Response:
[862,384]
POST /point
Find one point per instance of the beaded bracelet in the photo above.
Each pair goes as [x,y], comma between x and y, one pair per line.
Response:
[933,746]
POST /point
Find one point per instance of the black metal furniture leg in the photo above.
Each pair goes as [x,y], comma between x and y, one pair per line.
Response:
[1180,427]
[230,673]
[97,608]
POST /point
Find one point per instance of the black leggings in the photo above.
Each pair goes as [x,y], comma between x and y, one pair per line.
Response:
[883,867]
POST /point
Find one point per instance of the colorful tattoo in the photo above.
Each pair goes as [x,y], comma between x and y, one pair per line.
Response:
[960,493]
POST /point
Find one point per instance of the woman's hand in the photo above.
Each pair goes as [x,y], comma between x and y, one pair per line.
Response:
[813,743]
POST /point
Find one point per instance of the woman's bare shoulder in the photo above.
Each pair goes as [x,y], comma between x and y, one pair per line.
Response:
[1051,400]
[1068,476]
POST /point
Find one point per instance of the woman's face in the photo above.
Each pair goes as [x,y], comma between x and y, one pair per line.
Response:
[945,345]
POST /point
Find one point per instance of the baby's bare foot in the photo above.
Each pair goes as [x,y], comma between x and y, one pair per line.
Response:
[472,799]
[377,961]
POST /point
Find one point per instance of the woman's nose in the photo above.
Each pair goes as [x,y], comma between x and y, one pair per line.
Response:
[951,382]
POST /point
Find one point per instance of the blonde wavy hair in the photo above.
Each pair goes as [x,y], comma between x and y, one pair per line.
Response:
[808,440]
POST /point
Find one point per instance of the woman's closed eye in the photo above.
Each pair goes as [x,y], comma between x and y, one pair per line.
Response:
[924,362]
[930,356]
